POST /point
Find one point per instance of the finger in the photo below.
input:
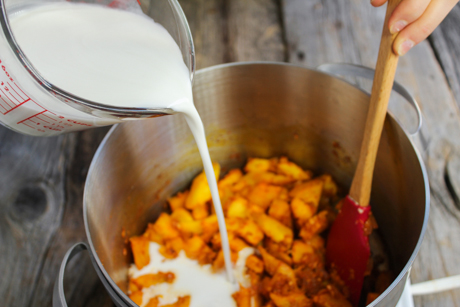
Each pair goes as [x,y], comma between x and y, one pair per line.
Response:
[417,31]
[377,3]
[405,13]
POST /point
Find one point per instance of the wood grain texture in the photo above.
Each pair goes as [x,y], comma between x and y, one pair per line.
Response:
[334,31]
[82,285]
[41,216]
[31,208]
[255,31]
[446,44]
[208,23]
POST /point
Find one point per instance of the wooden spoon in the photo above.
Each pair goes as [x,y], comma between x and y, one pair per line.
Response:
[348,245]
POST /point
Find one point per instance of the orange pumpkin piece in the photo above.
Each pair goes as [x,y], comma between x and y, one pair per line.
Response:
[140,248]
[242,297]
[263,194]
[148,280]
[136,297]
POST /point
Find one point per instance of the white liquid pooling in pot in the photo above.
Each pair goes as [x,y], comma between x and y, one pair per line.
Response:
[205,287]
[117,58]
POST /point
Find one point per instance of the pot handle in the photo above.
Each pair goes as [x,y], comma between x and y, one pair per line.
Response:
[368,73]
[58,291]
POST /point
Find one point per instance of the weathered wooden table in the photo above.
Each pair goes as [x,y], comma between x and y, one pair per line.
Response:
[41,182]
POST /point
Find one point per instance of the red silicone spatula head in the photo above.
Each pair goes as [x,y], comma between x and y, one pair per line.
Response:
[347,248]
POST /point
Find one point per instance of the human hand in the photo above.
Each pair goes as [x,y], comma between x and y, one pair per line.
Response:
[415,20]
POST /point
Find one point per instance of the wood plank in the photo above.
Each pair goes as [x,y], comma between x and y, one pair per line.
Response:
[31,209]
[446,44]
[209,30]
[255,31]
[41,189]
[82,285]
[334,31]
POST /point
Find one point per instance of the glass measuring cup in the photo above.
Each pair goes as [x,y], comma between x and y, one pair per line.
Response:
[32,105]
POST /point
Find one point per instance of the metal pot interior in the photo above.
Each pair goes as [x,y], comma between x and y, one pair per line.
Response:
[252,110]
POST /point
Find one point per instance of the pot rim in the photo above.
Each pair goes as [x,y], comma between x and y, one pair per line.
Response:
[396,281]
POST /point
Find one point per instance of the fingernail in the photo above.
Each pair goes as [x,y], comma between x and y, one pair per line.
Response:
[405,46]
[398,26]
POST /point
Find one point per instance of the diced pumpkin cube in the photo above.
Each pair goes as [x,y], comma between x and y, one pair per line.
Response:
[284,281]
[250,232]
[140,248]
[195,248]
[330,188]
[152,235]
[164,226]
[257,165]
[279,251]
[200,212]
[238,208]
[199,191]
[309,192]
[271,263]
[132,287]
[318,243]
[273,229]
[172,247]
[147,280]
[242,297]
[263,194]
[236,244]
[302,253]
[136,297]
[210,227]
[219,262]
[281,211]
[314,226]
[231,178]
[291,169]
[255,264]
[302,211]
[154,301]
[178,200]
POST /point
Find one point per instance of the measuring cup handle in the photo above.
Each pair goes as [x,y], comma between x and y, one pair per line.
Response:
[343,69]
[58,292]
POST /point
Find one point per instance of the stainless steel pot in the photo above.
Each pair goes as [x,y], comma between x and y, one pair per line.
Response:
[250,110]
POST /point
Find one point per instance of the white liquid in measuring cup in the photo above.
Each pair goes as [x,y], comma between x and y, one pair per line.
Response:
[117,58]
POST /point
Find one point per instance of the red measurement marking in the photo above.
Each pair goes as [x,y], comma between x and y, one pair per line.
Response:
[3,108]
[7,90]
[43,119]
[22,121]
[17,106]
[7,98]
[51,117]
[20,89]
[16,91]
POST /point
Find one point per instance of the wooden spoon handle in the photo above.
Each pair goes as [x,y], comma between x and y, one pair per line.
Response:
[387,61]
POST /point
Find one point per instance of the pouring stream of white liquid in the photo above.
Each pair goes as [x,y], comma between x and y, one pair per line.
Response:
[117,58]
